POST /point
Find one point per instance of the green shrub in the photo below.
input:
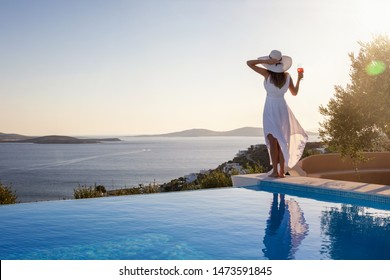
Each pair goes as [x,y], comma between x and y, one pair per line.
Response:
[174,185]
[141,189]
[89,192]
[253,168]
[126,191]
[101,189]
[191,187]
[151,188]
[7,196]
[216,179]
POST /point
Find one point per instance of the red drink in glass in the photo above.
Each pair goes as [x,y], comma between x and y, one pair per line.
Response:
[300,69]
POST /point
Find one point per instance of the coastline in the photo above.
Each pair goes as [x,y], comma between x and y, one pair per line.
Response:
[253,160]
[53,172]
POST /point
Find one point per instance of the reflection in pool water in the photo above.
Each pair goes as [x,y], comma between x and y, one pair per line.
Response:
[355,233]
[348,232]
[286,228]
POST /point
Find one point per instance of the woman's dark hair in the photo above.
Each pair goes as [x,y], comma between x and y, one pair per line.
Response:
[278,79]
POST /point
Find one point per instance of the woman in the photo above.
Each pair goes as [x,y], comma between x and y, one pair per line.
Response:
[284,136]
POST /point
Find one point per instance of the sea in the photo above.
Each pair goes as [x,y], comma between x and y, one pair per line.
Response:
[40,172]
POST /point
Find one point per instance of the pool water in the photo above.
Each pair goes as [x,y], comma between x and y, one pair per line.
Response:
[227,223]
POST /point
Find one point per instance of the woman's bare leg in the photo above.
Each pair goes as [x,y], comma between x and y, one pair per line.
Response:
[274,155]
[281,162]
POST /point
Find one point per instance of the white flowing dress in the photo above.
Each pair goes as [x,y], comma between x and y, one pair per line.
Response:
[280,121]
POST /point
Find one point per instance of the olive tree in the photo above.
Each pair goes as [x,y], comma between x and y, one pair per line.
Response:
[357,118]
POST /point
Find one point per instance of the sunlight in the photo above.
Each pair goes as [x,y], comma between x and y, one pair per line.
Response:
[376,67]
[373,20]
[374,15]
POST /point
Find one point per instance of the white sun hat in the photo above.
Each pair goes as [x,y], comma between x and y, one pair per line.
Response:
[283,65]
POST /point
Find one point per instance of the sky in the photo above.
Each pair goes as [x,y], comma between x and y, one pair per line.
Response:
[128,67]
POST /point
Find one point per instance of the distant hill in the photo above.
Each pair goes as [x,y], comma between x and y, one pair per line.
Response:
[51,139]
[244,131]
[198,132]
[56,139]
[4,137]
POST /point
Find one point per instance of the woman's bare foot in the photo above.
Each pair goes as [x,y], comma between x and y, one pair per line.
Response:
[282,173]
[273,175]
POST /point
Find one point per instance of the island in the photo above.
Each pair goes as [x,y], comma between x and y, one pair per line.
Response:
[52,139]
[198,132]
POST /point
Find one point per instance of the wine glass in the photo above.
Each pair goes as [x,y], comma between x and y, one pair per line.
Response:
[300,68]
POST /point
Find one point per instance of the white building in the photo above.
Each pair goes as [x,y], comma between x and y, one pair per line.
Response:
[229,167]
[191,177]
[241,152]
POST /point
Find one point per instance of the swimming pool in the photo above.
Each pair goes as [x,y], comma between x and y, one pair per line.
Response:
[227,223]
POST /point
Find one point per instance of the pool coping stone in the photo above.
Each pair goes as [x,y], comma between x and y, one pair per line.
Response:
[359,190]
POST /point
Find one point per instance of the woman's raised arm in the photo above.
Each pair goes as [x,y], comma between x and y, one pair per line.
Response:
[262,71]
[294,89]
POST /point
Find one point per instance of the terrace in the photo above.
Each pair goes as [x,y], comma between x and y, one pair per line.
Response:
[329,173]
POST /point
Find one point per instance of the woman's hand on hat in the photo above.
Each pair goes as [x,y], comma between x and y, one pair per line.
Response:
[272,61]
[269,61]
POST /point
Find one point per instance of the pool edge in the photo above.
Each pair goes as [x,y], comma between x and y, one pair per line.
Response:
[359,190]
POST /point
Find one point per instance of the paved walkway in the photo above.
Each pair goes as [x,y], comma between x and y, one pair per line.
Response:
[344,188]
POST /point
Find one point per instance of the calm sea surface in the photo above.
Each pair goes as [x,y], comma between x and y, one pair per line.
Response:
[50,171]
